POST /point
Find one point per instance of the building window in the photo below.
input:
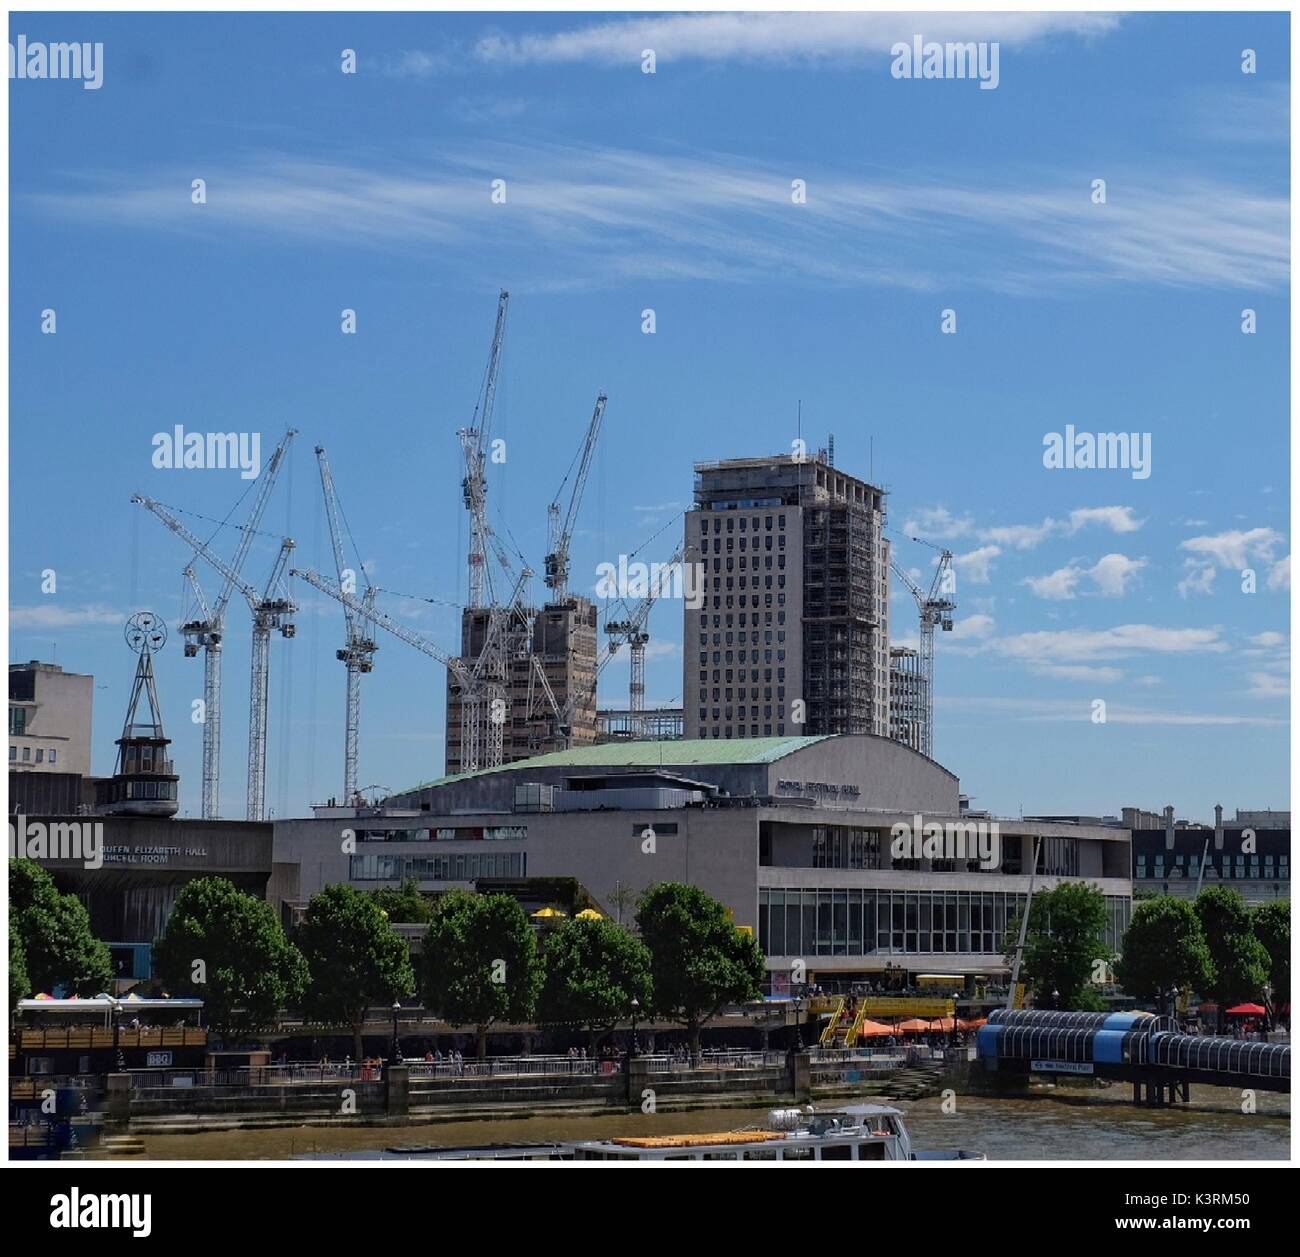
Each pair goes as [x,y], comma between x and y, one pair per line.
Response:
[54,756]
[18,720]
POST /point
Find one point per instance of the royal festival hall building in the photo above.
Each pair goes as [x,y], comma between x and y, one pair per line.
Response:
[793,834]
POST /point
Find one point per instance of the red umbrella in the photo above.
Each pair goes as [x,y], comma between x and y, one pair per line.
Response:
[1246,1010]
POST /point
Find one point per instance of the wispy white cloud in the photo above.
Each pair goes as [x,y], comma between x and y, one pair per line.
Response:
[1113,573]
[53,615]
[777,38]
[605,215]
[1236,549]
[1079,645]
[1058,585]
[1116,518]
[974,565]
[936,523]
[1080,711]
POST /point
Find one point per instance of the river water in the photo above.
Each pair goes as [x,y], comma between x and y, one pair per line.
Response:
[1046,1125]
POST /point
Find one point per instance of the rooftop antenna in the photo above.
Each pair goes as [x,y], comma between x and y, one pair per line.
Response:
[799,420]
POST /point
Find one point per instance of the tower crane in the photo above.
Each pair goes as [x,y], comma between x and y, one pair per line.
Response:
[560,531]
[358,652]
[936,608]
[474,442]
[210,628]
[271,611]
[481,691]
[632,631]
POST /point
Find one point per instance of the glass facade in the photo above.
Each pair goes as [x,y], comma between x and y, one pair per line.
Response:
[838,847]
[853,922]
[456,866]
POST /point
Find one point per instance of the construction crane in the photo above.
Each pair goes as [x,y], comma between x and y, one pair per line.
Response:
[936,608]
[358,652]
[560,531]
[474,442]
[483,693]
[272,612]
[210,628]
[632,631]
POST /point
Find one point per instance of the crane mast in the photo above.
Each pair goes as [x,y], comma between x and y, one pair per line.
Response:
[935,608]
[358,652]
[632,631]
[271,612]
[560,531]
[474,441]
[473,683]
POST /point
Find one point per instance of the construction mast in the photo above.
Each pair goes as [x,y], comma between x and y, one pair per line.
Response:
[473,443]
[209,629]
[936,608]
[358,652]
[272,610]
[483,691]
[560,531]
[632,631]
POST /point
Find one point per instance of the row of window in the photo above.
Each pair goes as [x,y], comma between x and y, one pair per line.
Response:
[731,520]
[777,730]
[731,545]
[129,789]
[446,833]
[457,867]
[872,922]
[41,754]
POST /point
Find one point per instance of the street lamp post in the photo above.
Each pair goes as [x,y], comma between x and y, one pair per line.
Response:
[636,1008]
[395,1055]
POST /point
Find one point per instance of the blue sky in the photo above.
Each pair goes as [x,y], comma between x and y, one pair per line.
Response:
[671,191]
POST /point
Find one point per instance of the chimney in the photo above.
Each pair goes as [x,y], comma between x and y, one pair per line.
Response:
[1169,827]
[1218,826]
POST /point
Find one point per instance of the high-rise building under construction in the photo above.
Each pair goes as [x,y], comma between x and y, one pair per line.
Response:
[791,634]
[564,645]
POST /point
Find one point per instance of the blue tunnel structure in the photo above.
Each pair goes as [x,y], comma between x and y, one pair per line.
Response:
[1137,1046]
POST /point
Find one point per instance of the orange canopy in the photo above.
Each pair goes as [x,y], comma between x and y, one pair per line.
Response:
[914,1025]
[874,1030]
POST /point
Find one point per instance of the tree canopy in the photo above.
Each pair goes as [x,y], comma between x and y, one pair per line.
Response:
[20,986]
[1164,948]
[228,949]
[354,957]
[480,962]
[1066,937]
[592,971]
[699,961]
[1271,923]
[1239,964]
[405,903]
[54,931]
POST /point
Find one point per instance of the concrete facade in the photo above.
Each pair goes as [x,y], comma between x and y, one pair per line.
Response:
[796,840]
[50,715]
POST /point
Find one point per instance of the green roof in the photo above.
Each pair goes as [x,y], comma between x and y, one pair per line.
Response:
[650,755]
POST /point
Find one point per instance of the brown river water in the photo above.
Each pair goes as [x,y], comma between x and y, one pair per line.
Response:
[1047,1125]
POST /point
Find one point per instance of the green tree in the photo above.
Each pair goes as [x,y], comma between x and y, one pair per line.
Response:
[355,958]
[480,963]
[405,903]
[1066,938]
[20,986]
[1164,948]
[54,929]
[1272,926]
[1238,960]
[228,949]
[699,961]
[592,971]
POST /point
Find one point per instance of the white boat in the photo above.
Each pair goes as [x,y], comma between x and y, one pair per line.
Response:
[857,1132]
